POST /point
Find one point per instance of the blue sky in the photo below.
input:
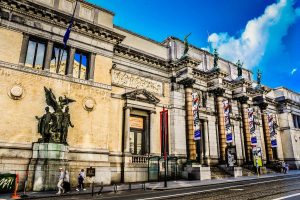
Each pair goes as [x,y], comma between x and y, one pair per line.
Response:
[264,34]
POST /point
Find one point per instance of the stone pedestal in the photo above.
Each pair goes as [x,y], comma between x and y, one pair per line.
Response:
[44,166]
[196,172]
[237,171]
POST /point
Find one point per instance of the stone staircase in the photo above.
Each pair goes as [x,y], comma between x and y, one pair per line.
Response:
[219,173]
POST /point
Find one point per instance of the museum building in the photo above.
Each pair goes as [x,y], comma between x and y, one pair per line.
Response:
[97,101]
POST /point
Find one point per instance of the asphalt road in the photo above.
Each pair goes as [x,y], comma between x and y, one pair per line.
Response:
[278,188]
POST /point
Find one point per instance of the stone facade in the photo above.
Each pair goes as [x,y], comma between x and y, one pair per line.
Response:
[126,75]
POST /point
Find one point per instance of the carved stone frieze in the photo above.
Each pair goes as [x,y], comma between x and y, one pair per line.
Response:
[132,81]
[141,95]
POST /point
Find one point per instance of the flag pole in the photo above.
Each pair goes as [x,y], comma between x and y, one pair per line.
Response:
[66,37]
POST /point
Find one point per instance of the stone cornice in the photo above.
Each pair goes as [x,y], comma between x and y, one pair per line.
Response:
[22,68]
[186,61]
[240,82]
[138,56]
[26,10]
[283,100]
[211,74]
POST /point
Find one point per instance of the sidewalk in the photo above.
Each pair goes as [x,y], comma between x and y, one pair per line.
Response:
[152,186]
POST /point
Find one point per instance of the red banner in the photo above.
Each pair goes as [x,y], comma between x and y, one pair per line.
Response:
[164,133]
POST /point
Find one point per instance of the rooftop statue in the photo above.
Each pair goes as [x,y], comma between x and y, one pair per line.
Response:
[186,45]
[216,58]
[259,74]
[54,126]
[239,68]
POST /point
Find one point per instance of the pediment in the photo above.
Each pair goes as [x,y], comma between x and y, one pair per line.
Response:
[142,95]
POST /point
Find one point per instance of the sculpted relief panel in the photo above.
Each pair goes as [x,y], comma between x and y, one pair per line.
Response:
[132,81]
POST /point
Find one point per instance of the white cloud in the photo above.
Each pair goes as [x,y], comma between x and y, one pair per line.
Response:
[293,71]
[261,34]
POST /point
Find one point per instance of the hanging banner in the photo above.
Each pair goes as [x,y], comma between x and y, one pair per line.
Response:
[228,132]
[195,109]
[252,127]
[164,131]
[272,126]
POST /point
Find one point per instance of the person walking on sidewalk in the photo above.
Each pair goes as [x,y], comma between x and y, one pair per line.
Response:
[66,183]
[283,167]
[60,181]
[81,178]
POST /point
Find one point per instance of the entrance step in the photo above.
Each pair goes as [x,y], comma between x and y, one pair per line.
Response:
[219,173]
[248,172]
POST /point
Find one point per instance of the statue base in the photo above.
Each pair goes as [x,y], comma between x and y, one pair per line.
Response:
[44,166]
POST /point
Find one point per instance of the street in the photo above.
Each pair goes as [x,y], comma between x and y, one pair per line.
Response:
[284,187]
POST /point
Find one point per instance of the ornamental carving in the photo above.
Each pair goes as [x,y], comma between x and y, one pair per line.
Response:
[142,95]
[137,82]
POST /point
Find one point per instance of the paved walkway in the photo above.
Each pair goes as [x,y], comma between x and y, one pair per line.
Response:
[152,186]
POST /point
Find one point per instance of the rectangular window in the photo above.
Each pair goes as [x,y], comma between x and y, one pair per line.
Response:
[80,68]
[35,54]
[59,60]
[136,142]
[295,121]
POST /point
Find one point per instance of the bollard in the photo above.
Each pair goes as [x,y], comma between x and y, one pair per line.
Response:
[130,187]
[115,188]
[15,195]
[93,188]
[144,186]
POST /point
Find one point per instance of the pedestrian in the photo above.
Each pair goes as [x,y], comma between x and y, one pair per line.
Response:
[60,181]
[286,168]
[81,177]
[66,183]
[283,167]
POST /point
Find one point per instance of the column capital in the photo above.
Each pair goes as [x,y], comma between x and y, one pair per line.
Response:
[188,82]
[127,107]
[218,91]
[263,106]
[242,99]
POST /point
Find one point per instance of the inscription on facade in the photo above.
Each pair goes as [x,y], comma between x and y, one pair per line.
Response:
[128,80]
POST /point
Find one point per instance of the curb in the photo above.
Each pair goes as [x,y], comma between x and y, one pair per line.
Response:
[231,181]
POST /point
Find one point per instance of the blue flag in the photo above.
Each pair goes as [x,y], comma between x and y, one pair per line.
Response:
[68,31]
[67,34]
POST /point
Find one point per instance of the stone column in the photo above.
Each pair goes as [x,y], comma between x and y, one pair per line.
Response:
[92,57]
[206,143]
[266,130]
[48,56]
[192,153]
[24,47]
[221,125]
[126,129]
[152,132]
[71,61]
[246,129]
